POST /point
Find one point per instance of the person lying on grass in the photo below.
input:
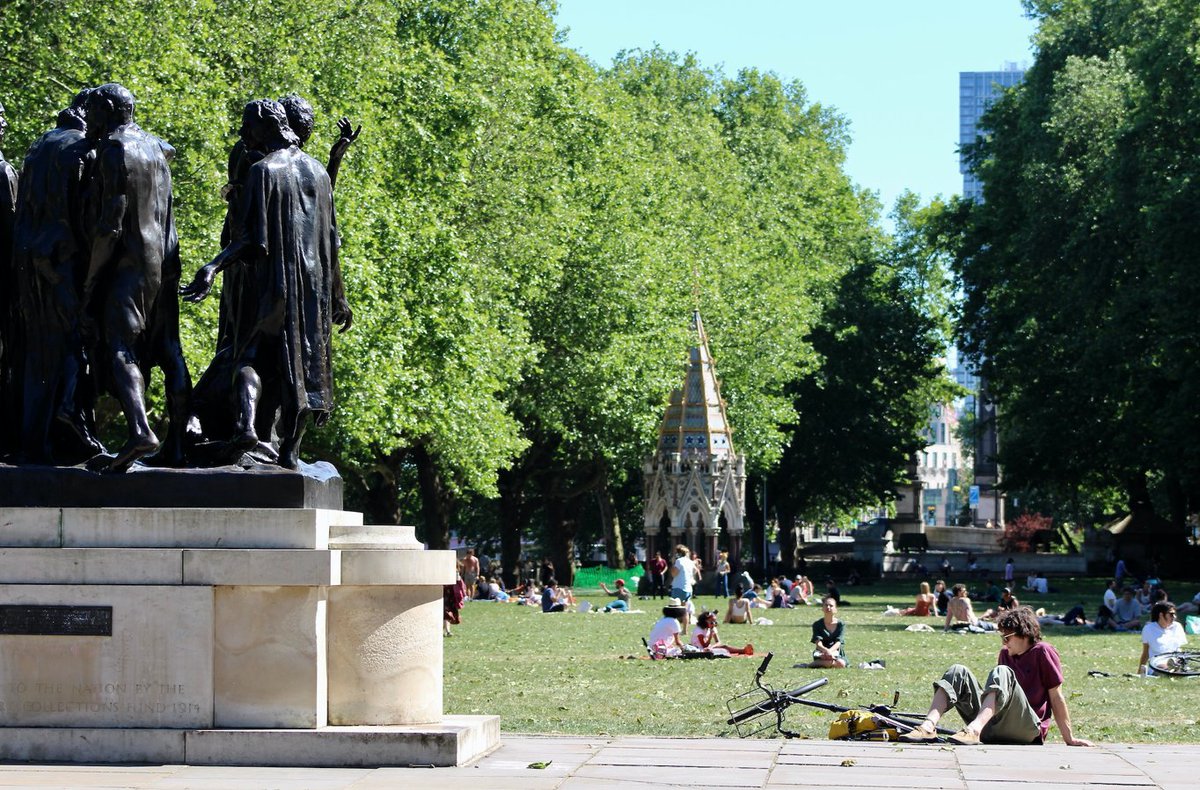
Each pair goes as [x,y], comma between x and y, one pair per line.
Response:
[1015,703]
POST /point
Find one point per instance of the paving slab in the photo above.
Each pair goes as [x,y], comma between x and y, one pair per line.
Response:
[852,774]
[591,763]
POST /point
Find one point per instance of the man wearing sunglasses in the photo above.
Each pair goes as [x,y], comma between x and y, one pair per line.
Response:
[1015,703]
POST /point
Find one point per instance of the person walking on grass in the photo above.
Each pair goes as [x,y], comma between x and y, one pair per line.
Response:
[683,574]
[1015,703]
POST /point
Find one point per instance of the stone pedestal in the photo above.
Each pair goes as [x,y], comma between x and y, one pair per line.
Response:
[285,636]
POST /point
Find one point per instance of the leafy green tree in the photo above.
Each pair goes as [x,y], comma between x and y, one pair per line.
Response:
[859,414]
[1077,268]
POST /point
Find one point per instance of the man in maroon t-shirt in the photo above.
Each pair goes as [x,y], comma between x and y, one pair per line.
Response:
[658,569]
[1018,699]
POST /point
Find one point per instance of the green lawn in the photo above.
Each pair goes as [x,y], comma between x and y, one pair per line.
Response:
[563,673]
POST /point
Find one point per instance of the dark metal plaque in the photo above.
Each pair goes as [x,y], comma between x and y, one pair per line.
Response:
[56,620]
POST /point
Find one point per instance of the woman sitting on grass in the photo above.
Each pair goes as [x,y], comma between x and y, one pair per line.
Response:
[827,637]
[705,637]
[664,635]
[924,606]
[739,609]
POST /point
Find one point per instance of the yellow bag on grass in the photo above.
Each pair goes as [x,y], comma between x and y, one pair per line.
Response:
[860,725]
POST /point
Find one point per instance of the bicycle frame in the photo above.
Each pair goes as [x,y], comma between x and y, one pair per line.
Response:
[771,701]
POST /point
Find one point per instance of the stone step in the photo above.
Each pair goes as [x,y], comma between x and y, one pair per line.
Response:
[246,528]
[455,740]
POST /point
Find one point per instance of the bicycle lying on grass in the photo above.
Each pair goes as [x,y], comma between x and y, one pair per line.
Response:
[763,707]
[1180,664]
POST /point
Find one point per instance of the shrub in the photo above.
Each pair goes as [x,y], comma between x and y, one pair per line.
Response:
[1026,531]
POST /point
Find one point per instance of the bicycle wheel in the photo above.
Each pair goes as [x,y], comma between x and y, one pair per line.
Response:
[1181,664]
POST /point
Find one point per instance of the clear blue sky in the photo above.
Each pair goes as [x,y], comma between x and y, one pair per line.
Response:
[889,66]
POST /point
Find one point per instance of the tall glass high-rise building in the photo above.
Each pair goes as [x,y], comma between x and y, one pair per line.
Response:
[976,90]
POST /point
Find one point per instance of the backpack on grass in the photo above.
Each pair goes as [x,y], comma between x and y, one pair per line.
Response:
[860,725]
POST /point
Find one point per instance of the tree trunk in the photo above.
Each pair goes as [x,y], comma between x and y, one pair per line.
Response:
[560,529]
[383,489]
[1178,499]
[512,522]
[614,547]
[754,529]
[788,540]
[437,503]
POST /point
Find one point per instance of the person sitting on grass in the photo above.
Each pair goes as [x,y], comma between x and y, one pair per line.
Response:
[828,634]
[960,616]
[621,593]
[1007,603]
[924,605]
[1015,703]
[1163,634]
[550,598]
[739,609]
[496,591]
[705,637]
[942,597]
[802,590]
[664,639]
[779,597]
[1145,596]
[1127,614]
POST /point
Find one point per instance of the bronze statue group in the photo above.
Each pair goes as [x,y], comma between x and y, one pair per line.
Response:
[90,288]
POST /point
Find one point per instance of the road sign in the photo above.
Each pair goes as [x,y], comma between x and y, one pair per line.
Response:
[973,496]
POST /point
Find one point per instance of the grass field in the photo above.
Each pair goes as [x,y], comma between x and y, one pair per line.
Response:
[563,673]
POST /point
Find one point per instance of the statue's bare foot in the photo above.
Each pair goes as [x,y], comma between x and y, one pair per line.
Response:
[137,447]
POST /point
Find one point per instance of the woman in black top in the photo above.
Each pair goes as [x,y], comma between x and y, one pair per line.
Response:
[828,648]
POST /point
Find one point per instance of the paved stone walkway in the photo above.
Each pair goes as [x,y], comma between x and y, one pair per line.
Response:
[587,763]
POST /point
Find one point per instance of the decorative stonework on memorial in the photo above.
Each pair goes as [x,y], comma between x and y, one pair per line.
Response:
[695,483]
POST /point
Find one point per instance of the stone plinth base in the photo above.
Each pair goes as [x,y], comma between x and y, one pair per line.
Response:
[311,486]
[210,635]
[455,740]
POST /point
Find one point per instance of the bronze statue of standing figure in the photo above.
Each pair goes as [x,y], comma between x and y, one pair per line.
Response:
[50,256]
[129,294]
[289,294]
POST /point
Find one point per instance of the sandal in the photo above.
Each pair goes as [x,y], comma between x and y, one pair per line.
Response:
[964,738]
[918,735]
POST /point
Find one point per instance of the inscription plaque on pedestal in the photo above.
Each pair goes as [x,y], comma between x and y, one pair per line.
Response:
[56,620]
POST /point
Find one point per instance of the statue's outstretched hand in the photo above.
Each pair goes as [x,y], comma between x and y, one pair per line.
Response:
[347,134]
[346,130]
[201,284]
